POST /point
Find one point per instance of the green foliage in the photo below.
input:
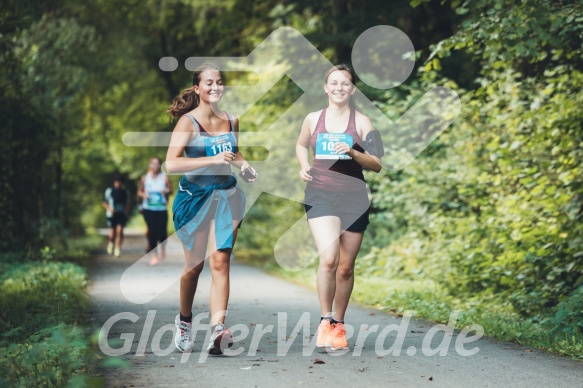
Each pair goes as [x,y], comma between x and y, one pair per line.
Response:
[40,293]
[569,317]
[491,211]
[40,307]
[50,357]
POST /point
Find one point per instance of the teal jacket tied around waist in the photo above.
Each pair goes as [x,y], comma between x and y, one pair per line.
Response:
[193,203]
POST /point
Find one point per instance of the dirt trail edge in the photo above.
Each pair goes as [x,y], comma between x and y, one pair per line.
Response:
[273,322]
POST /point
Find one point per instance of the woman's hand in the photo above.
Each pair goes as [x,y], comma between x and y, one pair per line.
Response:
[223,158]
[343,148]
[305,174]
[248,173]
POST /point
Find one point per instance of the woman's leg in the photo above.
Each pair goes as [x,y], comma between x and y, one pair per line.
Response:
[112,234]
[143,213]
[119,235]
[111,242]
[219,262]
[326,231]
[150,218]
[193,265]
[349,247]
[162,232]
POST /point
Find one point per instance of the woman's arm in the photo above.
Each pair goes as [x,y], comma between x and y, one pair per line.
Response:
[141,192]
[302,151]
[105,202]
[239,160]
[128,203]
[168,186]
[176,163]
[106,206]
[366,160]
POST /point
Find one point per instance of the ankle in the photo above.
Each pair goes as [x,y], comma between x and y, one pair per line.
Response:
[187,319]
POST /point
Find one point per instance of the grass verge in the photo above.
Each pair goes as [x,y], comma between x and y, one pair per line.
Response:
[42,303]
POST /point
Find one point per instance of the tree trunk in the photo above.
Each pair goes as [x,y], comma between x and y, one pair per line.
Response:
[339,27]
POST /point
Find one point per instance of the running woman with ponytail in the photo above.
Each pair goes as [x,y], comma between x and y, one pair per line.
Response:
[209,205]
[344,143]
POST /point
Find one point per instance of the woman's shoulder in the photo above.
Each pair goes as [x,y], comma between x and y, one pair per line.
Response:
[363,122]
[358,116]
[228,115]
[314,116]
[185,122]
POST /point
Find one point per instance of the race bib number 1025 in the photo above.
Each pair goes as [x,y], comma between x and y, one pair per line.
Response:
[325,143]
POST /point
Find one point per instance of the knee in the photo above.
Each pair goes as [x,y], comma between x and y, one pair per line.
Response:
[328,264]
[191,272]
[220,262]
[345,272]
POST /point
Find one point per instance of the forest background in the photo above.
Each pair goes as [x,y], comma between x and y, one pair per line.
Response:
[488,220]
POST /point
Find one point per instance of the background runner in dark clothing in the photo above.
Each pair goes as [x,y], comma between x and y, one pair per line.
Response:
[116,202]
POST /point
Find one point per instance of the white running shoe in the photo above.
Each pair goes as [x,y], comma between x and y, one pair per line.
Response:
[110,248]
[117,252]
[182,337]
[221,339]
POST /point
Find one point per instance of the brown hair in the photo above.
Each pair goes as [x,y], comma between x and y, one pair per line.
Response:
[344,67]
[187,100]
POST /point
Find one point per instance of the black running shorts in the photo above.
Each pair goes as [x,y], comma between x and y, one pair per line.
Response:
[351,207]
[117,219]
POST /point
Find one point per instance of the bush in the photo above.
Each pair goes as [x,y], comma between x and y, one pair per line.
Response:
[40,304]
[569,317]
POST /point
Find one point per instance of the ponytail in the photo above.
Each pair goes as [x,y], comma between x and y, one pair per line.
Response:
[187,100]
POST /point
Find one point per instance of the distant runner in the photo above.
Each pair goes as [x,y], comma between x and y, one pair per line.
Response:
[154,191]
[116,202]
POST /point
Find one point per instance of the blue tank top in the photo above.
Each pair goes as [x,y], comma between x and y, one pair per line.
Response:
[209,175]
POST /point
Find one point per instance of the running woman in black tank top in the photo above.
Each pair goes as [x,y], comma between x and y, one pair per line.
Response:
[336,196]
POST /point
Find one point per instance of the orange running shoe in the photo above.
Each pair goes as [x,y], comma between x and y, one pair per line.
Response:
[324,334]
[338,335]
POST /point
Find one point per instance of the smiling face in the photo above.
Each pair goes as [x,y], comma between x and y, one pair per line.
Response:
[339,86]
[210,87]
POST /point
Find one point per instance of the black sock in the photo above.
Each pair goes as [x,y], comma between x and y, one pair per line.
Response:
[328,318]
[334,321]
[186,319]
